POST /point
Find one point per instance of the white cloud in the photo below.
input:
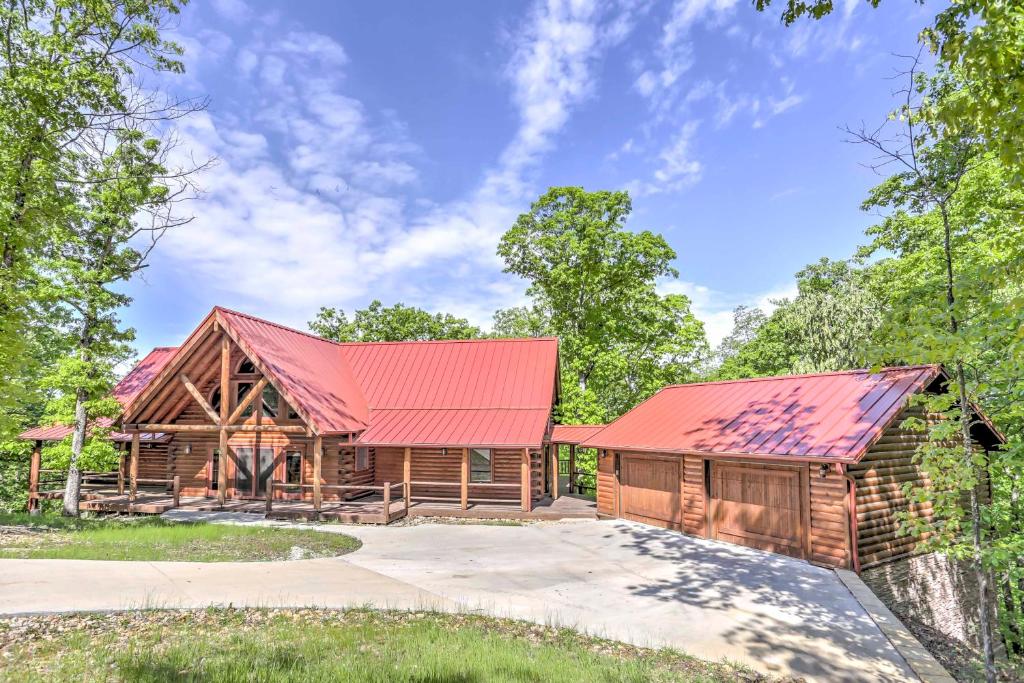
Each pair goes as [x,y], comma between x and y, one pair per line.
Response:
[677,168]
[233,10]
[314,199]
[715,308]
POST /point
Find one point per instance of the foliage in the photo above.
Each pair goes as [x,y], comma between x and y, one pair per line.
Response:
[826,327]
[326,645]
[390,323]
[593,284]
[85,191]
[983,41]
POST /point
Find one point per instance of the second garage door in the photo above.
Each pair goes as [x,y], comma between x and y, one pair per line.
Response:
[757,506]
[649,490]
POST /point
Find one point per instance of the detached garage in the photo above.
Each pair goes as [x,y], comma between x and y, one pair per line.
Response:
[809,466]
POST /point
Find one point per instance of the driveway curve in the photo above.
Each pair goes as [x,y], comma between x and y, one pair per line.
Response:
[615,579]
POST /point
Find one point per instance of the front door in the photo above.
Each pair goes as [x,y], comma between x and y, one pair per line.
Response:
[249,460]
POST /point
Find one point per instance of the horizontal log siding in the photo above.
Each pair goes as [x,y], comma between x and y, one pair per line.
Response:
[153,462]
[606,483]
[694,514]
[431,464]
[829,518]
[880,477]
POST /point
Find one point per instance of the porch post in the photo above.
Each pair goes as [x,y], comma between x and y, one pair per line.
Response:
[225,404]
[464,479]
[133,471]
[318,448]
[554,470]
[407,465]
[572,468]
[120,470]
[33,477]
[524,485]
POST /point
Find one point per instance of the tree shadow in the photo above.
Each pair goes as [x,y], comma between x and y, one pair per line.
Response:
[791,615]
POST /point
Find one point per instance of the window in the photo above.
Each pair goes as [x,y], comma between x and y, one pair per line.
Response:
[215,399]
[246,367]
[292,415]
[362,458]
[214,469]
[293,468]
[271,401]
[480,465]
[241,391]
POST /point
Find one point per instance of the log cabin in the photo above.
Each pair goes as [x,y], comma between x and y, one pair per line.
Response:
[810,466]
[246,410]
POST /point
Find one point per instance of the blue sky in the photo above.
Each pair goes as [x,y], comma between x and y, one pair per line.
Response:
[379,150]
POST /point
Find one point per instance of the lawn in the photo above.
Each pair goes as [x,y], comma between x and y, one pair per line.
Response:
[153,538]
[322,645]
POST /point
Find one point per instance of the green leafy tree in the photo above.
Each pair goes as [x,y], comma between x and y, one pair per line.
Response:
[827,326]
[953,223]
[983,41]
[68,68]
[85,192]
[125,205]
[399,322]
[593,284]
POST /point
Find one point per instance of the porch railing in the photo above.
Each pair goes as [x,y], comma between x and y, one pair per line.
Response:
[387,490]
[469,485]
[59,477]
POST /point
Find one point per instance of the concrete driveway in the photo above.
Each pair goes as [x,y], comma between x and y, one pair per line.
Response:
[614,578]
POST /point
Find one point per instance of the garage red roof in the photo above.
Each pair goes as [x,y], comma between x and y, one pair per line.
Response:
[835,415]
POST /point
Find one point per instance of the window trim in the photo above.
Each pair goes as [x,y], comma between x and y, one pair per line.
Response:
[490,461]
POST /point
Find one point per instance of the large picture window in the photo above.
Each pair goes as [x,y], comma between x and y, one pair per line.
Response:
[480,470]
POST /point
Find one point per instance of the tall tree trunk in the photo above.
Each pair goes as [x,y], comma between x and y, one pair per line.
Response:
[73,487]
[980,574]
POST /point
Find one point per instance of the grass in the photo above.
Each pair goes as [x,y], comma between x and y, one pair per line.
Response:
[321,645]
[152,538]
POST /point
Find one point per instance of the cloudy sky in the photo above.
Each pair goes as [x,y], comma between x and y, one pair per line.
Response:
[378,150]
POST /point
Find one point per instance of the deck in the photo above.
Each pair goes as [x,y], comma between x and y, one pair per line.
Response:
[367,510]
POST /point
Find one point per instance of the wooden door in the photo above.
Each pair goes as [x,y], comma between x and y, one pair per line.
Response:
[758,506]
[649,490]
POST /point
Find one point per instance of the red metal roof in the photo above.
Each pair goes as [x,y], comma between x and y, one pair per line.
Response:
[487,392]
[145,370]
[834,415]
[126,390]
[574,434]
[310,372]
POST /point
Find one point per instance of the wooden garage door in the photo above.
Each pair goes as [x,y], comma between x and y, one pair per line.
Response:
[757,506]
[649,490]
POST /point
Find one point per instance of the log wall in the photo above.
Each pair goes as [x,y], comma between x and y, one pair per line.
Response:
[829,511]
[880,477]
[694,514]
[606,483]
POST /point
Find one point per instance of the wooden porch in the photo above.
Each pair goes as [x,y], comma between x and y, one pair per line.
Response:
[369,509]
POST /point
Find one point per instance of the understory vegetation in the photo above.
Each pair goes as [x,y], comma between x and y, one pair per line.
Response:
[155,539]
[322,645]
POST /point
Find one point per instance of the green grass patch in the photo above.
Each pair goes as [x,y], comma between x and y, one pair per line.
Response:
[153,539]
[322,645]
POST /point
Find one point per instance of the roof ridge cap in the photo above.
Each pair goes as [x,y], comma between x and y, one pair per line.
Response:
[888,368]
[277,325]
[447,341]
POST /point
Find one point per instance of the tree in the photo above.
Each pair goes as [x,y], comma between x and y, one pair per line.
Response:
[593,284]
[85,187]
[983,41]
[827,326]
[67,67]
[390,323]
[957,273]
